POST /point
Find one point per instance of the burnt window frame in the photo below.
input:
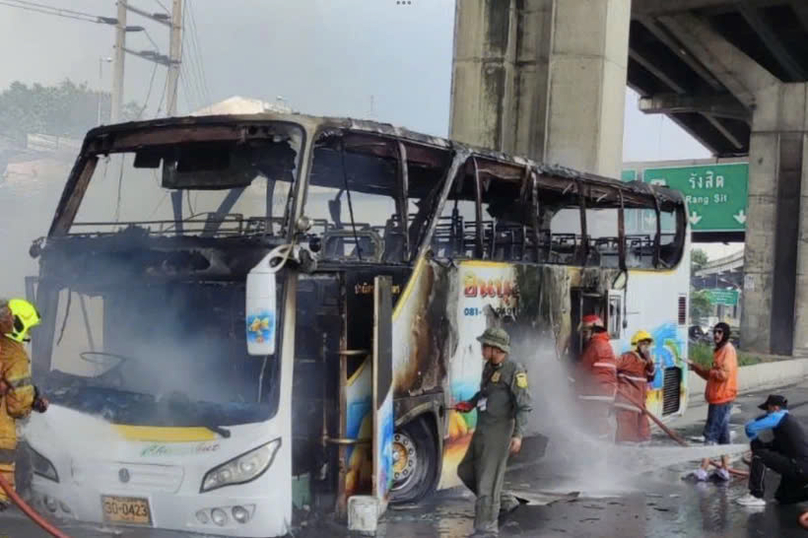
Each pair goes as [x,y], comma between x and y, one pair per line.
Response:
[131,138]
[405,152]
[589,191]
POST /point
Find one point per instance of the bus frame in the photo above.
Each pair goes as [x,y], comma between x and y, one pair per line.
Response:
[394,346]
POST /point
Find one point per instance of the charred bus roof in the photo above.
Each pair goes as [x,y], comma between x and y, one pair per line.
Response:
[559,185]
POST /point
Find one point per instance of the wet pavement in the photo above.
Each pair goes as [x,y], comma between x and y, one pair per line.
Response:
[656,504]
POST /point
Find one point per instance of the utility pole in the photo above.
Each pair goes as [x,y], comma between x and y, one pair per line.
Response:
[120,56]
[101,61]
[175,56]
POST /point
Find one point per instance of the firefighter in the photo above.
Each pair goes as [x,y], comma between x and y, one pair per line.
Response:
[597,378]
[635,369]
[19,396]
[503,404]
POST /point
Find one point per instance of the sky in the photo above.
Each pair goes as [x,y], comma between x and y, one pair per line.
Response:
[362,58]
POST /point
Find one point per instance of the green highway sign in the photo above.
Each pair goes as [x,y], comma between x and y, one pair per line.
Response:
[725,297]
[715,194]
[628,175]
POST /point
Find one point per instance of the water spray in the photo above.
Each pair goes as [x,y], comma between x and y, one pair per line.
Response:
[673,435]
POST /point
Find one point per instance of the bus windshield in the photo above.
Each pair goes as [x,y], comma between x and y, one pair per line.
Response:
[146,290]
[158,355]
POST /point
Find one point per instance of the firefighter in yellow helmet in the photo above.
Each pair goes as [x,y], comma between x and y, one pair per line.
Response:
[635,369]
[19,396]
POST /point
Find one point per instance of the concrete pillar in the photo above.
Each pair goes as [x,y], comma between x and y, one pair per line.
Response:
[775,312]
[543,78]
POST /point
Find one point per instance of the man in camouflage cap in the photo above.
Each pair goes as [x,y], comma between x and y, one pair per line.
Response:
[503,403]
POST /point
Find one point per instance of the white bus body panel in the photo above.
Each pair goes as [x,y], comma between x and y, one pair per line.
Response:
[89,453]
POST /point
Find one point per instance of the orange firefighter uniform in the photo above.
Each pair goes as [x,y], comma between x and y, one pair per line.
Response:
[597,380]
[634,373]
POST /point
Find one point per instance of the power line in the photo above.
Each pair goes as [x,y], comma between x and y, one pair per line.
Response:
[53,8]
[159,3]
[148,93]
[186,86]
[199,58]
[162,96]
[53,11]
[190,65]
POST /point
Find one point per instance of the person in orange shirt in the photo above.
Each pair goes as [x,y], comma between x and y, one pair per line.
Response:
[597,378]
[720,392]
[635,369]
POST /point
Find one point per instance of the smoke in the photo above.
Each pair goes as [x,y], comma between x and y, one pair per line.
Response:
[163,340]
[575,460]
[29,192]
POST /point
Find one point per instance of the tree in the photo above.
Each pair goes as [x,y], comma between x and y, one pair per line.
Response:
[700,305]
[67,109]
[698,259]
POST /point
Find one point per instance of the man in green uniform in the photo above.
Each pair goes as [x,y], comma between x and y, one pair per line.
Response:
[503,403]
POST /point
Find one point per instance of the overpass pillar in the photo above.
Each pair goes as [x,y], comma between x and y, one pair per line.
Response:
[775,310]
[543,78]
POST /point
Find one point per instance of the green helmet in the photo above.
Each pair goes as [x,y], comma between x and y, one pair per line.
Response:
[497,338]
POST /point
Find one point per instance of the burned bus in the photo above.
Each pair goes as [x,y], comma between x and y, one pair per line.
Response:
[244,316]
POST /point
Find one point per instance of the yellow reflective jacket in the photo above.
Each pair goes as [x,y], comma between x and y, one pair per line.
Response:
[15,368]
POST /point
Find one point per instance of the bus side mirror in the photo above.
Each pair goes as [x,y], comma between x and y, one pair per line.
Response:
[261,310]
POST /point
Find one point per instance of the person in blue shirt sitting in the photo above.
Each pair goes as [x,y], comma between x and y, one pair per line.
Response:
[786,454]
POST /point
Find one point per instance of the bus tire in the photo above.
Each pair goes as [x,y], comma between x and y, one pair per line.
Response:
[415,461]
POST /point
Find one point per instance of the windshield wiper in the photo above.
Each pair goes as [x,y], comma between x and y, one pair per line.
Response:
[224,432]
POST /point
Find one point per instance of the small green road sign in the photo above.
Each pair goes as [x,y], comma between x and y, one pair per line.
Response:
[725,297]
[715,194]
[628,175]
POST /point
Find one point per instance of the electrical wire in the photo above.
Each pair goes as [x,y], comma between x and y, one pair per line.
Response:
[149,37]
[190,65]
[148,93]
[200,61]
[52,10]
[187,87]
[162,96]
[159,3]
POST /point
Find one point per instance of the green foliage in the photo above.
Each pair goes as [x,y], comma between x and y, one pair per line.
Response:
[67,109]
[700,305]
[702,354]
[698,259]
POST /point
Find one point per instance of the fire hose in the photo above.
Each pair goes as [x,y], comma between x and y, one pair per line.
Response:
[672,434]
[30,512]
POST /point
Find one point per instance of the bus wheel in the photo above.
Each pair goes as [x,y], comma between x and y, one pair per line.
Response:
[415,462]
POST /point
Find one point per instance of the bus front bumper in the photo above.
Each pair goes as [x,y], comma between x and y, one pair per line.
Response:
[222,513]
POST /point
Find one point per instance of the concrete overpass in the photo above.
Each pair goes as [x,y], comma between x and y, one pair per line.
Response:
[721,272]
[546,79]
[733,74]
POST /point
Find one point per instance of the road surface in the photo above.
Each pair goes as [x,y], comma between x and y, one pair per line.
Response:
[654,504]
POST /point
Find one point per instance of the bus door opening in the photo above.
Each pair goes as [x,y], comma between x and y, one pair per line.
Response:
[366,421]
[583,302]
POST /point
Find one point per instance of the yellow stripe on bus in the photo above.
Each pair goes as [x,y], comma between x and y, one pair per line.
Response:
[416,273]
[358,372]
[165,434]
[485,263]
